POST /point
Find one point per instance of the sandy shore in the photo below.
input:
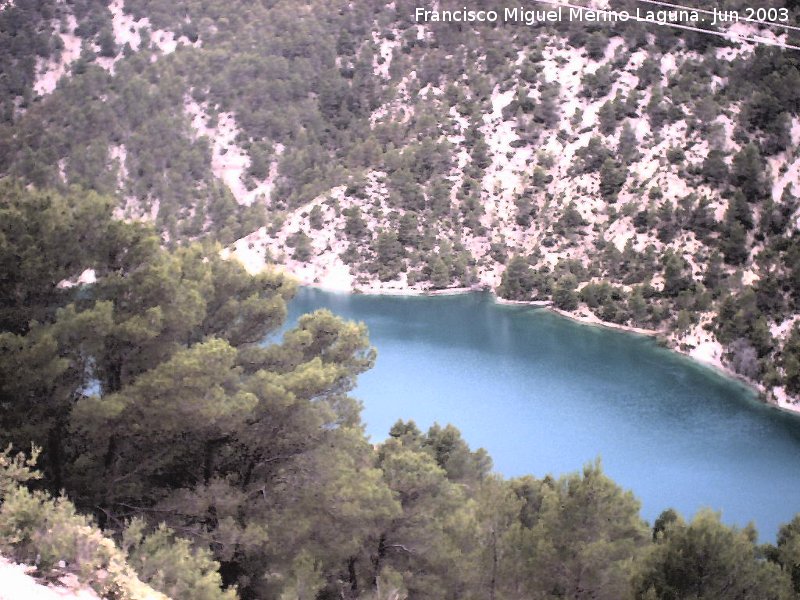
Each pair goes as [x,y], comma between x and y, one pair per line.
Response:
[378,291]
[589,318]
[534,303]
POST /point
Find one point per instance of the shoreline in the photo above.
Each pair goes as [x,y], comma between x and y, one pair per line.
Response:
[400,292]
[763,395]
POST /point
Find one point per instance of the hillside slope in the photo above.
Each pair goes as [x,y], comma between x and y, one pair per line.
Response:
[629,173]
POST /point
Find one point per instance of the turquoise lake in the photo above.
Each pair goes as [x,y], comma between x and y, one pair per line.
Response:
[544,394]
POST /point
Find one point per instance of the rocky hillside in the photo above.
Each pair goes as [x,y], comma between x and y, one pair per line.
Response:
[630,173]
[19,583]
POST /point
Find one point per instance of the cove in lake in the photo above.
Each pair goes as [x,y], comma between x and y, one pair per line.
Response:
[544,394]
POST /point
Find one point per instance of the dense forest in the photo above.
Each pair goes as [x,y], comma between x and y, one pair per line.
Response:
[220,460]
[162,434]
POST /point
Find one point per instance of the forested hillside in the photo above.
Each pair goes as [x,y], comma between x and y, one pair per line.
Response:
[644,175]
[637,174]
[224,467]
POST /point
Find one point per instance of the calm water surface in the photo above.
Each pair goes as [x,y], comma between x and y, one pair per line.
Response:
[544,394]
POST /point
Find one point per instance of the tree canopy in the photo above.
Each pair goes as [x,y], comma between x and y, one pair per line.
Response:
[221,461]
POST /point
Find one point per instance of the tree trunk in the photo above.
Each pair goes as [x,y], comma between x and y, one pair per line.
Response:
[55,455]
[493,581]
[351,571]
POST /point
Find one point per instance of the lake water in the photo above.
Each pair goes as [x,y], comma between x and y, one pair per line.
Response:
[544,394]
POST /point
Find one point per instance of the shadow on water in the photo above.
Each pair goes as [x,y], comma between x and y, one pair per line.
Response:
[545,394]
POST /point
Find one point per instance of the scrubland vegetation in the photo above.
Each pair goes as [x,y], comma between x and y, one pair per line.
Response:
[644,175]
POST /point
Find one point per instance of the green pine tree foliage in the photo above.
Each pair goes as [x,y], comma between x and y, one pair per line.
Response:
[153,395]
[230,461]
[517,282]
[706,559]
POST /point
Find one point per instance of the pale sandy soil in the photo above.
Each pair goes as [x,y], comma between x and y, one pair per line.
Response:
[709,352]
[119,155]
[537,303]
[399,110]
[229,162]
[129,31]
[790,161]
[49,73]
[779,398]
[749,277]
[89,276]
[383,59]
[753,30]
[505,177]
[132,209]
[62,170]
[583,314]
[326,268]
[17,584]
[782,330]
[126,31]
[505,174]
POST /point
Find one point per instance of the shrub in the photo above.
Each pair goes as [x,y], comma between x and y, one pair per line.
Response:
[42,531]
[517,281]
[607,116]
[612,178]
[564,295]
[744,358]
[302,246]
[170,564]
[316,218]
[596,45]
[715,170]
[597,84]
[676,155]
[791,361]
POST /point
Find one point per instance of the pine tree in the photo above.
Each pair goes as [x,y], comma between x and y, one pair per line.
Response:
[564,295]
[612,178]
[628,146]
[516,282]
[791,361]
[705,559]
[748,173]
[607,116]
[440,273]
